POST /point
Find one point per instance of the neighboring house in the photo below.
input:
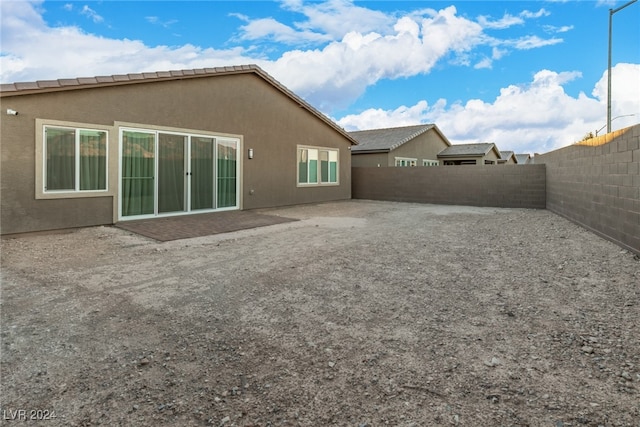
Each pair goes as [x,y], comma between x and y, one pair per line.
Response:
[402,146]
[523,159]
[470,154]
[92,151]
[507,158]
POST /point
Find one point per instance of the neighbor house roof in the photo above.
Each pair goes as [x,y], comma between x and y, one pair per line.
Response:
[506,155]
[523,158]
[469,150]
[385,140]
[45,86]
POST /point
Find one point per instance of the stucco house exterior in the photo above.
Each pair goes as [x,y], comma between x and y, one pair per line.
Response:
[507,158]
[416,145]
[485,153]
[99,150]
[523,159]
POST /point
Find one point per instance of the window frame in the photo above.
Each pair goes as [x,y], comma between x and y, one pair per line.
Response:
[429,162]
[412,162]
[217,139]
[41,163]
[318,170]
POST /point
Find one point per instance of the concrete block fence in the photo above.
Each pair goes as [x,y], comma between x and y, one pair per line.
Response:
[507,186]
[595,183]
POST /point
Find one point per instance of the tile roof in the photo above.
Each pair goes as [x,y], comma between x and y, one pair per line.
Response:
[523,158]
[471,150]
[44,86]
[505,155]
[388,139]
[8,89]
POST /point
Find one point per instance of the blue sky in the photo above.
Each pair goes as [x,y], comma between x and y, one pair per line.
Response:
[527,75]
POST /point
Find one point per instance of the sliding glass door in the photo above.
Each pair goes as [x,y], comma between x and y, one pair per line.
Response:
[227,153]
[138,173]
[202,173]
[169,173]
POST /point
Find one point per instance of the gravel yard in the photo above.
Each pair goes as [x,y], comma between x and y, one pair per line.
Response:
[361,313]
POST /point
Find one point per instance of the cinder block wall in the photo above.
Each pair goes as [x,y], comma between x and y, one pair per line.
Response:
[508,186]
[596,183]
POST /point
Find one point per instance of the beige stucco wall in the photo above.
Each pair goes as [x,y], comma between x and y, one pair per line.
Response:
[372,159]
[265,119]
[424,147]
[510,161]
[491,155]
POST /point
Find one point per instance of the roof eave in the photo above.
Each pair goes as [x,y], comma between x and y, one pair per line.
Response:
[60,85]
[49,86]
[461,155]
[374,151]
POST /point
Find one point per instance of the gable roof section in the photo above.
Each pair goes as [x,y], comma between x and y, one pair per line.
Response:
[385,140]
[506,155]
[45,86]
[523,158]
[469,150]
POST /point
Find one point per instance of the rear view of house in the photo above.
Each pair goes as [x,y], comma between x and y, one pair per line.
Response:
[402,146]
[470,154]
[507,158]
[93,151]
[523,159]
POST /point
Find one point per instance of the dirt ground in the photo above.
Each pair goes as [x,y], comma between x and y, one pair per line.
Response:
[360,314]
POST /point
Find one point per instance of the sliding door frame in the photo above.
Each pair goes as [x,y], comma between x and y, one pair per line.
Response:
[216,139]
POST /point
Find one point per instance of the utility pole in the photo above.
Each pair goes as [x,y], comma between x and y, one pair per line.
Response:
[611,12]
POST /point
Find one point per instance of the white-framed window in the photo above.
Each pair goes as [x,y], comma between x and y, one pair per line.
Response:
[427,162]
[405,161]
[74,159]
[317,166]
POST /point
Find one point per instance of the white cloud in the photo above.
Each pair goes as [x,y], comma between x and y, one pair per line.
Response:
[376,118]
[537,117]
[25,58]
[322,22]
[485,63]
[272,30]
[329,77]
[156,21]
[531,42]
[341,71]
[338,17]
[532,15]
[508,20]
[505,22]
[625,94]
[553,29]
[497,53]
[92,14]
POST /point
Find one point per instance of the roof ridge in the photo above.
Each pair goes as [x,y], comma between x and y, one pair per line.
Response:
[393,127]
[425,128]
